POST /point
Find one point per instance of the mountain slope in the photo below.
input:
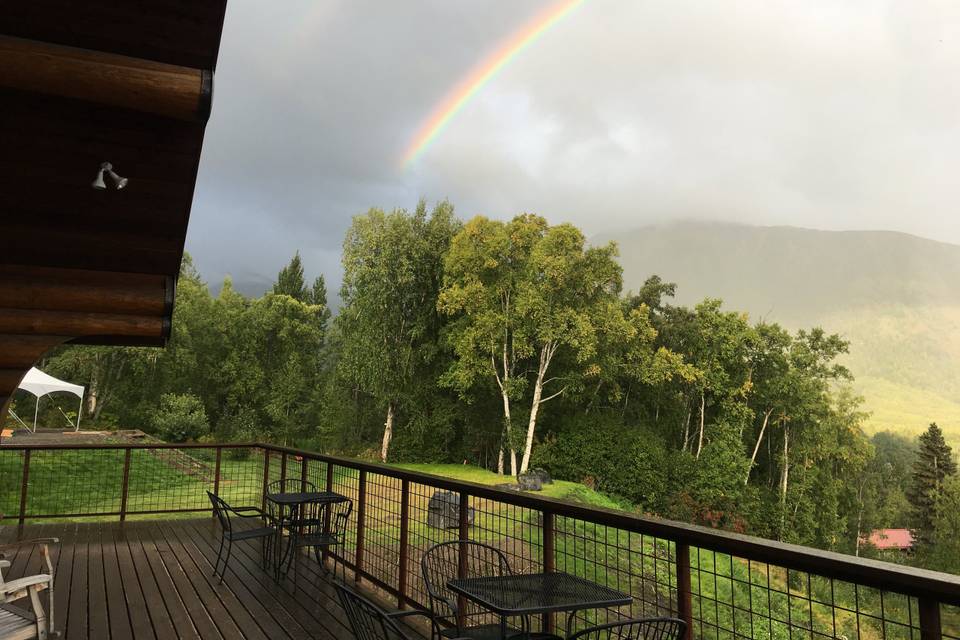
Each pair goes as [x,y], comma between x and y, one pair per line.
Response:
[896,297]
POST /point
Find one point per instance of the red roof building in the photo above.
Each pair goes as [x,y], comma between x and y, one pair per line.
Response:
[892,539]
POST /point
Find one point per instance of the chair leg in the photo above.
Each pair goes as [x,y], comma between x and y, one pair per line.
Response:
[226,560]
[216,565]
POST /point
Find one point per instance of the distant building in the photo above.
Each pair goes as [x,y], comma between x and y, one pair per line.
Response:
[892,539]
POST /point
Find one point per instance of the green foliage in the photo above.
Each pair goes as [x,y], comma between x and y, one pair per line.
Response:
[475,342]
[179,418]
[942,551]
[601,451]
[933,465]
[290,281]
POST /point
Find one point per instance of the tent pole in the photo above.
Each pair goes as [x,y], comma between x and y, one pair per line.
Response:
[36,411]
[79,411]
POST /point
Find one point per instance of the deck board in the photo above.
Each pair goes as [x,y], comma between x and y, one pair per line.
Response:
[153,579]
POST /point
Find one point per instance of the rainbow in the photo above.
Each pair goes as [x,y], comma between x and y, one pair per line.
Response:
[482,74]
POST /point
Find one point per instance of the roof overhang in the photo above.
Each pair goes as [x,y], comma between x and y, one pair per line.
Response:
[82,84]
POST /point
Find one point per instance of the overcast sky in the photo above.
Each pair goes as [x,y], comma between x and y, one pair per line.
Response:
[816,113]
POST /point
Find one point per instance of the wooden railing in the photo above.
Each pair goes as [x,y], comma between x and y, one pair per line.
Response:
[723,584]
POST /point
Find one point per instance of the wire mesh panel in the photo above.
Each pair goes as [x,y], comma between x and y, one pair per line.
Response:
[382,530]
[241,476]
[74,482]
[639,565]
[167,480]
[346,483]
[433,517]
[11,476]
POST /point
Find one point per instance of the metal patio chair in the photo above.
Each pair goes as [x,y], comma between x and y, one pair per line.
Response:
[370,622]
[636,629]
[16,622]
[227,515]
[321,526]
[440,564]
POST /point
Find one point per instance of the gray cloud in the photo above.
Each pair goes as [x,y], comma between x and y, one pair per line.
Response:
[813,113]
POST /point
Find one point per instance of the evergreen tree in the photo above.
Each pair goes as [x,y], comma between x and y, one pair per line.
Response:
[934,463]
[319,297]
[290,281]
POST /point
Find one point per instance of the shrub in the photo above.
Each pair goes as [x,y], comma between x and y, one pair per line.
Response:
[179,418]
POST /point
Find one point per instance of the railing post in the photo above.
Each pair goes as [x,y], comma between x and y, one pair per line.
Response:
[930,628]
[684,593]
[283,466]
[361,523]
[216,473]
[549,560]
[326,513]
[216,479]
[304,461]
[125,487]
[404,532]
[266,479]
[463,520]
[23,487]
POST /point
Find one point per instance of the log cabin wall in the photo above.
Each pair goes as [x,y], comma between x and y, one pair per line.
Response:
[81,84]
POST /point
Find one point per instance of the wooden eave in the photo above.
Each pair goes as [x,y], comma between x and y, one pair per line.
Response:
[81,84]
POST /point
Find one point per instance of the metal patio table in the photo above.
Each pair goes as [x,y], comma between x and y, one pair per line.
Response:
[289,503]
[525,594]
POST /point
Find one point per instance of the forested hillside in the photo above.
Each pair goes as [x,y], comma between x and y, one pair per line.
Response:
[894,297]
[514,344]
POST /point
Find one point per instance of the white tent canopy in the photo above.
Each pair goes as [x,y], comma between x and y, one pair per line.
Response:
[40,384]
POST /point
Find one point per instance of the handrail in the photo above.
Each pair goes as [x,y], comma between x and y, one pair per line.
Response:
[888,576]
[930,587]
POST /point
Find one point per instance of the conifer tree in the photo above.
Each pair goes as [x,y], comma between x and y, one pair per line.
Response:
[934,463]
[290,280]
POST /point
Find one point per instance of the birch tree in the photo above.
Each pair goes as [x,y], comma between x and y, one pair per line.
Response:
[392,264]
[525,296]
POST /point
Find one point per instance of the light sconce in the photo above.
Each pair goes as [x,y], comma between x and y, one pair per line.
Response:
[107,168]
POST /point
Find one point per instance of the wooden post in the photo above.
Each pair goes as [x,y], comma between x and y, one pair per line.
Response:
[404,533]
[361,522]
[549,560]
[303,473]
[326,513]
[216,479]
[463,519]
[125,487]
[283,466]
[266,478]
[216,473]
[930,628]
[23,487]
[684,595]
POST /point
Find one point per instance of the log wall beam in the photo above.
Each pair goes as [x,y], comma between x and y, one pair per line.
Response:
[103,78]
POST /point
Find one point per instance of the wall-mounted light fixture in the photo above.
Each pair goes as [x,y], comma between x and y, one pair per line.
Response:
[107,168]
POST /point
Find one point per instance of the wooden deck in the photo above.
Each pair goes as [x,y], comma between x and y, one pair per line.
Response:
[152,579]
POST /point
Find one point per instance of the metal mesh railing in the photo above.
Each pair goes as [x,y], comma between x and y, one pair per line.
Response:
[723,585]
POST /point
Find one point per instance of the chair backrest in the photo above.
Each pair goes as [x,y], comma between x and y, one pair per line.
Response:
[442,563]
[326,517]
[636,629]
[222,510]
[368,621]
[291,485]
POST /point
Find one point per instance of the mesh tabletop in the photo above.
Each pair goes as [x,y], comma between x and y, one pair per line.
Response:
[301,497]
[537,593]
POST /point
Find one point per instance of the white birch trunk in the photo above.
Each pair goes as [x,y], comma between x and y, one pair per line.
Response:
[534,408]
[786,465]
[387,433]
[703,405]
[756,448]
